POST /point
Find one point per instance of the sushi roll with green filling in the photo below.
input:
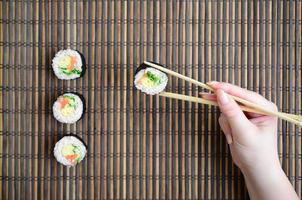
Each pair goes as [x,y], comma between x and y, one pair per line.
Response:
[69,151]
[68,108]
[67,64]
[150,80]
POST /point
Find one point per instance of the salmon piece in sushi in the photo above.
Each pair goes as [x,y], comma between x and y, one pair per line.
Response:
[68,108]
[69,151]
[67,64]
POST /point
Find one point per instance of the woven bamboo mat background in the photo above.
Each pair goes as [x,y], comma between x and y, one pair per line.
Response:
[140,147]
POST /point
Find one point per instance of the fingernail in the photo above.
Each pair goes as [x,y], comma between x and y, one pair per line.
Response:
[212,83]
[223,98]
[229,139]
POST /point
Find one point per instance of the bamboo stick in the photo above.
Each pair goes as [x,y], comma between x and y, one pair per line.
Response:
[214,103]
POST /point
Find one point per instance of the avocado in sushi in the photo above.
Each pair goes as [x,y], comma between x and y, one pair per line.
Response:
[150,80]
[67,64]
[69,151]
[68,108]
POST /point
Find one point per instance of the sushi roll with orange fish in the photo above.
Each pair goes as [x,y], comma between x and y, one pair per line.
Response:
[68,108]
[69,151]
[67,64]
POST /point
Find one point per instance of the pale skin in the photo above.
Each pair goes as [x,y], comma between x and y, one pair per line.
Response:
[252,139]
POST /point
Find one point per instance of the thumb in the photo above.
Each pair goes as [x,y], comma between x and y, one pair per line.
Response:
[232,112]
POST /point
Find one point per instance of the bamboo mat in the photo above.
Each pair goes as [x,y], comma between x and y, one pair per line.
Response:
[141,147]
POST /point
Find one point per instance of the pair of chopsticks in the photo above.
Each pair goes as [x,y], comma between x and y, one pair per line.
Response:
[246,105]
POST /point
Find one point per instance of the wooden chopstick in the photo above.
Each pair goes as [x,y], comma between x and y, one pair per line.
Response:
[296,117]
[200,100]
[214,103]
[254,107]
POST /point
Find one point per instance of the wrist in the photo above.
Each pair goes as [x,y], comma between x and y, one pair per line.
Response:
[268,182]
[274,172]
[265,167]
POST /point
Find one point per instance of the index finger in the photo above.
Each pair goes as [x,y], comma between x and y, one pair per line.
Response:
[243,93]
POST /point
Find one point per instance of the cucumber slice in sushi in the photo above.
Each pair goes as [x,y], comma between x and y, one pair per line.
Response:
[69,151]
[67,64]
[68,108]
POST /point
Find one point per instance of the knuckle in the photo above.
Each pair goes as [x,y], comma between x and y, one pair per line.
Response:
[228,86]
[230,111]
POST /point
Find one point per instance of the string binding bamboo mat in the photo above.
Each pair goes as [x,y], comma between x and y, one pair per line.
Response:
[141,147]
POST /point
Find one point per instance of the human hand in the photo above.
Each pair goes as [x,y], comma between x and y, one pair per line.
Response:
[253,143]
[252,137]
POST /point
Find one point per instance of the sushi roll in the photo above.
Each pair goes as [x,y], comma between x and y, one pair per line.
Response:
[67,64]
[69,151]
[68,108]
[150,80]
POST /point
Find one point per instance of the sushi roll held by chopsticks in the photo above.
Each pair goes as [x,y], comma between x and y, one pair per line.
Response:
[69,151]
[68,108]
[67,64]
[150,80]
